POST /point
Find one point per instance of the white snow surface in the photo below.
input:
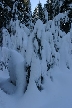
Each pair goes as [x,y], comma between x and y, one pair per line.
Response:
[57,92]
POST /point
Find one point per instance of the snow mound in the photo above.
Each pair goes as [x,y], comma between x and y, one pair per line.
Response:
[39,24]
[7,86]
[16,69]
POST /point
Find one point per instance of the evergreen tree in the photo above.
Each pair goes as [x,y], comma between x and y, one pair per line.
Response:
[27,14]
[18,10]
[66,8]
[12,9]
[5,13]
[50,9]
[56,7]
[35,16]
[38,13]
[45,14]
[38,56]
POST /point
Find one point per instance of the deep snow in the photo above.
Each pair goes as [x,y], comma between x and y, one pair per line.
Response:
[57,94]
[55,49]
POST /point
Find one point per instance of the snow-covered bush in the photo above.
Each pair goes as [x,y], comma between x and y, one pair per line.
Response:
[54,55]
[17,39]
[66,51]
[0,60]
[6,38]
[5,57]
[1,66]
[20,77]
[16,68]
[30,56]
[38,53]
[62,22]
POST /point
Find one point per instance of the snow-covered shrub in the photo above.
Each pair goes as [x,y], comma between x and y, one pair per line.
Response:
[21,40]
[17,39]
[0,60]
[62,22]
[6,38]
[54,56]
[14,58]
[45,47]
[17,71]
[66,51]
[1,65]
[20,77]
[5,57]
[16,68]
[38,53]
[7,87]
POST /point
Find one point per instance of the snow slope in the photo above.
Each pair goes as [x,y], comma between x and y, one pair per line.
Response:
[57,94]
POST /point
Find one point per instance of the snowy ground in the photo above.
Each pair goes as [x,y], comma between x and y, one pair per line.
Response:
[57,94]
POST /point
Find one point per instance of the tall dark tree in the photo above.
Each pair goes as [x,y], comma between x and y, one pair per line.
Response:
[27,14]
[12,9]
[38,13]
[45,19]
[67,8]
[5,13]
[56,7]
[35,16]
[50,8]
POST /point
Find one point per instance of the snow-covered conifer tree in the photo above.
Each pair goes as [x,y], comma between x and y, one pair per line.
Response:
[38,55]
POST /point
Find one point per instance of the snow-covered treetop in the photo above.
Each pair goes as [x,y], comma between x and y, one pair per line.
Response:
[39,25]
[60,15]
[39,28]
